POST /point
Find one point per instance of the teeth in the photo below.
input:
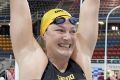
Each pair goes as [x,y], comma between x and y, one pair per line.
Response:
[65,45]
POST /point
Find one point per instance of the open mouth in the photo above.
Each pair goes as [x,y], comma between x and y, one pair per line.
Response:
[64,45]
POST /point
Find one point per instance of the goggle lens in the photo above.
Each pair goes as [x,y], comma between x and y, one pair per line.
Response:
[61,20]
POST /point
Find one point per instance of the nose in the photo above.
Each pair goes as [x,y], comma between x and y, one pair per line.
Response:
[67,36]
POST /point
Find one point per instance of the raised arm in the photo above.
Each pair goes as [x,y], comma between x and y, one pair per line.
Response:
[88,25]
[29,55]
[87,35]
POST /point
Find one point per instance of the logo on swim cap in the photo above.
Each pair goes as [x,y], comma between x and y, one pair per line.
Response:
[58,11]
[49,17]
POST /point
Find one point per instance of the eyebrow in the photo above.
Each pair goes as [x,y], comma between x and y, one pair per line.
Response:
[72,28]
[60,26]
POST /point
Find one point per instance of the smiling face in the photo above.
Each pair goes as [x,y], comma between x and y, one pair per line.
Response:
[60,39]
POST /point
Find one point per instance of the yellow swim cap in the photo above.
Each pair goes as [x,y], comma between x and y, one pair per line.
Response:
[49,17]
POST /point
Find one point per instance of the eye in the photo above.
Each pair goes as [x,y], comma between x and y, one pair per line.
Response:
[73,31]
[60,30]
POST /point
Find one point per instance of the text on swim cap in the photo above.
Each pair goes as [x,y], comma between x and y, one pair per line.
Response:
[58,11]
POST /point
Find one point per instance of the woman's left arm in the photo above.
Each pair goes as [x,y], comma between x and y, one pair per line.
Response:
[86,36]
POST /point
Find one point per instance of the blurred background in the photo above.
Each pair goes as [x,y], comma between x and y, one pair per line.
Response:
[39,7]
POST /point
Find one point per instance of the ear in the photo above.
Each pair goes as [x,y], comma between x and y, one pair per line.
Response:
[42,42]
[44,37]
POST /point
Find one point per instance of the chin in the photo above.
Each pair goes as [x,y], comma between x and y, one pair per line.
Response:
[65,53]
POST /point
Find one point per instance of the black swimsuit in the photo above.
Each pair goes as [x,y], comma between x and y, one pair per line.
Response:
[73,72]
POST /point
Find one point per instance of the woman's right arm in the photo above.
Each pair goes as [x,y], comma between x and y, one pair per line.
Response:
[29,55]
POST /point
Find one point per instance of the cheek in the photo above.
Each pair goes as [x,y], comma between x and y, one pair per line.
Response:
[52,40]
[55,36]
[73,39]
